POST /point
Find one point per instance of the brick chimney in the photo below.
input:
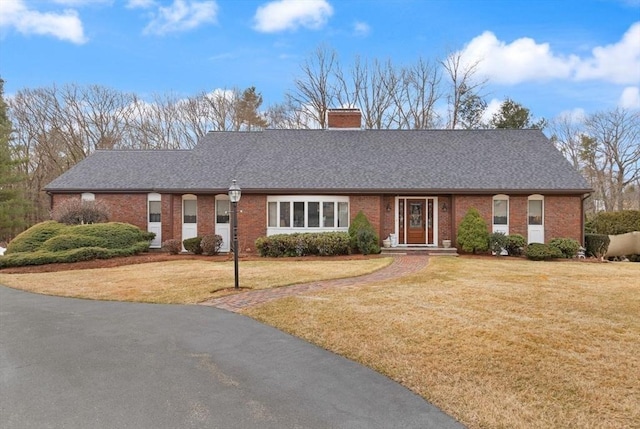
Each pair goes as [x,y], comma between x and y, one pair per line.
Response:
[344,118]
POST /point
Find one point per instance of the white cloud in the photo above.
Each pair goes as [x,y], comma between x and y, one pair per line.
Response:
[617,63]
[492,108]
[283,15]
[630,98]
[516,62]
[361,29]
[525,60]
[576,115]
[64,26]
[140,4]
[181,16]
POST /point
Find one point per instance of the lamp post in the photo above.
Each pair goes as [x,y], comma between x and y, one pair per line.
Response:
[234,196]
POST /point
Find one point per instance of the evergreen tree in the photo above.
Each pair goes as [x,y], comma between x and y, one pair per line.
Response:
[12,203]
[514,115]
[247,110]
[473,233]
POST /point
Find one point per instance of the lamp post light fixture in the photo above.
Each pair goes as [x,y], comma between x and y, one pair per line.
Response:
[234,196]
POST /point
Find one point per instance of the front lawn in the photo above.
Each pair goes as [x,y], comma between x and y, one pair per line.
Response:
[185,281]
[497,343]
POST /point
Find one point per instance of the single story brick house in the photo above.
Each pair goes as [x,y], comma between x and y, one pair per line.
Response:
[416,184]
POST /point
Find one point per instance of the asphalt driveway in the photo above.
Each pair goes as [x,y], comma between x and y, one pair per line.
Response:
[69,363]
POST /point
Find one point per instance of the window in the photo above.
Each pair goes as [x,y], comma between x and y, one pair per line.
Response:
[314,213]
[535,212]
[500,210]
[285,214]
[88,196]
[328,215]
[222,211]
[155,211]
[190,211]
[273,214]
[343,215]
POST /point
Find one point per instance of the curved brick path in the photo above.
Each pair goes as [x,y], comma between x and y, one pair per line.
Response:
[401,265]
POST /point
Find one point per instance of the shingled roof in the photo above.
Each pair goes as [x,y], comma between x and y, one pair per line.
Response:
[337,161]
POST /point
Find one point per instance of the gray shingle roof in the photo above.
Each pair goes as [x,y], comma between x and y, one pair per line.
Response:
[337,161]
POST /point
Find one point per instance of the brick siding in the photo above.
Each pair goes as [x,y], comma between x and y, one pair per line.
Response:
[563,214]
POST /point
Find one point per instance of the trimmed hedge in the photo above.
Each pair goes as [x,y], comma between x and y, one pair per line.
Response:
[596,244]
[193,245]
[568,246]
[51,242]
[614,223]
[305,244]
[542,252]
[34,237]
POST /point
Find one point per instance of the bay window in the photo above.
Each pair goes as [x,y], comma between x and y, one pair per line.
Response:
[307,213]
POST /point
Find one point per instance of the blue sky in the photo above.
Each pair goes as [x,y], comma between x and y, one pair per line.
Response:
[554,57]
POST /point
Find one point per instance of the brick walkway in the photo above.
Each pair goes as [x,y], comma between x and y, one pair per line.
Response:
[401,265]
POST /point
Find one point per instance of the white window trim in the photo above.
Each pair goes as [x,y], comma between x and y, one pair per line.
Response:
[304,199]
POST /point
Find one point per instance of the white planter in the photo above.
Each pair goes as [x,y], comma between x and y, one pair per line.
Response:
[446,243]
[386,243]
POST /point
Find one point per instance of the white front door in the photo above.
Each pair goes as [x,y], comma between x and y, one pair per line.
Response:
[536,219]
[154,219]
[223,214]
[189,217]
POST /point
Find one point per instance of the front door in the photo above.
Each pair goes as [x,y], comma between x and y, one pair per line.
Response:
[416,221]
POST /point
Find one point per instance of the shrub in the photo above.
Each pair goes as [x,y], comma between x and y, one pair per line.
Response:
[362,235]
[34,237]
[72,241]
[515,244]
[193,245]
[53,242]
[78,212]
[568,246]
[596,244]
[473,235]
[613,223]
[542,252]
[173,246]
[211,244]
[498,242]
[320,244]
[117,235]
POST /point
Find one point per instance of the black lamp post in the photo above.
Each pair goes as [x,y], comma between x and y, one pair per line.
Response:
[234,196]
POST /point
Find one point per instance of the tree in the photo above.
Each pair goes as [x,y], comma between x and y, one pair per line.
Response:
[473,233]
[612,153]
[13,205]
[315,90]
[247,110]
[464,88]
[514,115]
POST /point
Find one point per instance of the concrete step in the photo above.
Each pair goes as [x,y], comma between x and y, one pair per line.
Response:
[420,250]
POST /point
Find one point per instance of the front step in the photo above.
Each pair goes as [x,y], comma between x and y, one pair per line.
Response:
[420,250]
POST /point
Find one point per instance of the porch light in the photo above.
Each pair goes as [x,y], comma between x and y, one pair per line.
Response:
[234,197]
[444,207]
